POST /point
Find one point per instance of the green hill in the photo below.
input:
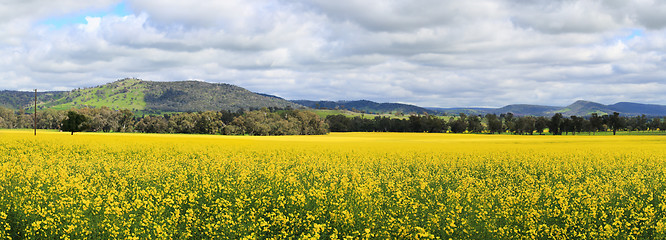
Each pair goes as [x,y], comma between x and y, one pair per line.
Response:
[149,97]
[585,108]
[192,96]
[201,96]
[365,106]
[578,108]
[121,94]
[20,99]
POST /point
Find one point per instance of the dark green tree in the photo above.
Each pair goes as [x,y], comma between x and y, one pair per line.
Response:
[494,124]
[509,122]
[555,124]
[474,124]
[540,124]
[526,125]
[74,122]
[596,123]
[339,123]
[577,124]
[614,122]
[654,124]
[458,125]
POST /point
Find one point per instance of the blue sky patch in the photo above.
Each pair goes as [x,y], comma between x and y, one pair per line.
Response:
[79,17]
[635,33]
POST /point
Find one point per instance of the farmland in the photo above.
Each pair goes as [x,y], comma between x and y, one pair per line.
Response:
[341,185]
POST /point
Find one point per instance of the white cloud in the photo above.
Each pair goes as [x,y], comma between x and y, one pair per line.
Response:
[430,53]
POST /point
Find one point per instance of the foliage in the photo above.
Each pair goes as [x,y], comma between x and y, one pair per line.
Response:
[141,96]
[491,123]
[263,123]
[278,122]
[273,121]
[189,96]
[121,94]
[415,123]
[75,122]
[23,100]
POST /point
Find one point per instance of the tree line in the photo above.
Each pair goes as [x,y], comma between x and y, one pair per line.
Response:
[267,121]
[492,123]
[275,121]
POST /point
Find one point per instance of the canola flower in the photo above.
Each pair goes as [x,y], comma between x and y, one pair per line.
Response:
[339,186]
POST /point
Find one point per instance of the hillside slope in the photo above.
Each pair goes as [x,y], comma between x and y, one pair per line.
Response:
[149,97]
[20,99]
[578,108]
[191,96]
[201,96]
[365,106]
[526,109]
[584,108]
[638,108]
[121,94]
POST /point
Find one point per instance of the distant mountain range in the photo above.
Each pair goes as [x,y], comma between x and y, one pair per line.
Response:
[191,96]
[365,106]
[578,108]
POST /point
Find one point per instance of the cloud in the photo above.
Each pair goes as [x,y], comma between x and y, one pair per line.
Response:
[430,53]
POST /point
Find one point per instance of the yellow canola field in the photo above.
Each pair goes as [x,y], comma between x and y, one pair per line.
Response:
[342,185]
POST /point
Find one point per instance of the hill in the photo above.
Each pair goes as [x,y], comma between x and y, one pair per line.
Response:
[455,111]
[585,108]
[150,97]
[191,96]
[201,96]
[526,109]
[20,99]
[365,106]
[638,108]
[578,108]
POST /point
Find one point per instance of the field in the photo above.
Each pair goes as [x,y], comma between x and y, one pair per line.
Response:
[342,185]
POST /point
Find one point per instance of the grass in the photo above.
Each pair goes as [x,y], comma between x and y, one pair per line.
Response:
[127,94]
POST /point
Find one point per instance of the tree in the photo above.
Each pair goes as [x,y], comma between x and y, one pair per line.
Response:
[526,125]
[555,123]
[74,122]
[339,123]
[509,122]
[474,124]
[566,126]
[310,123]
[577,124]
[125,121]
[458,125]
[654,124]
[596,122]
[494,124]
[614,122]
[540,124]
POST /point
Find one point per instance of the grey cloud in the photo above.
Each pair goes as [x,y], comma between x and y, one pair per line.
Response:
[566,16]
[430,53]
[34,9]
[395,15]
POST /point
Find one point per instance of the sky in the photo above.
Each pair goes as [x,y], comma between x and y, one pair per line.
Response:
[433,53]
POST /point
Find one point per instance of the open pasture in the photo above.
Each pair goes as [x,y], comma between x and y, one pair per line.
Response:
[342,185]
